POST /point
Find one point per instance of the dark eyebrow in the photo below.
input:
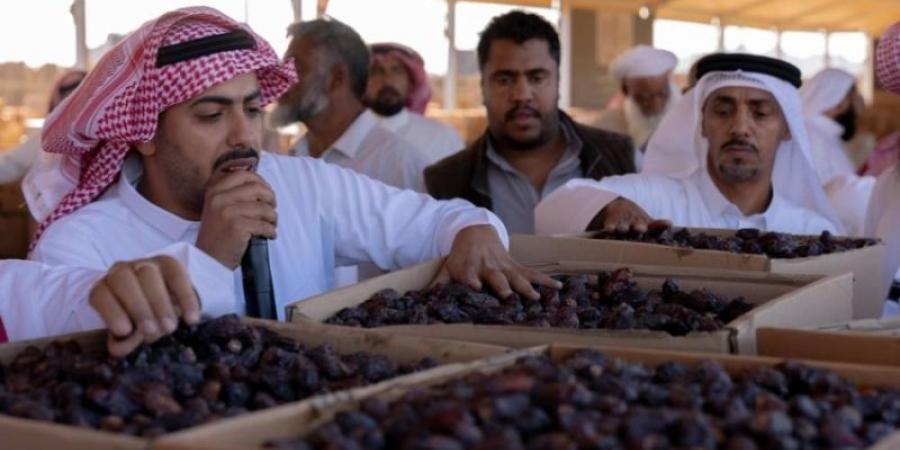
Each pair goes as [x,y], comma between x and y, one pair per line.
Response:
[724,99]
[225,101]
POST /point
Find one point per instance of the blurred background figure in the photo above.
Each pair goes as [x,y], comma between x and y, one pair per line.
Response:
[645,76]
[14,163]
[399,92]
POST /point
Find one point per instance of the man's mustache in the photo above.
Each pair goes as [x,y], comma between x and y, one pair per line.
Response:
[387,90]
[522,109]
[739,143]
[235,154]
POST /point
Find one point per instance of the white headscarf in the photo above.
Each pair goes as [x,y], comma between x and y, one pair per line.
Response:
[643,61]
[678,149]
[821,93]
[825,90]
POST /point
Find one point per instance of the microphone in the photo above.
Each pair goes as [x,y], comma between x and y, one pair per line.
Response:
[257,277]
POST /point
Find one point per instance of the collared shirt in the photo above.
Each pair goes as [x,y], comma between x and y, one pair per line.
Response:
[430,137]
[327,215]
[373,150]
[512,193]
[694,201]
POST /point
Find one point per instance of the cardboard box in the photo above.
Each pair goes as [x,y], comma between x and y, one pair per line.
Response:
[870,341]
[304,418]
[784,300]
[17,433]
[865,263]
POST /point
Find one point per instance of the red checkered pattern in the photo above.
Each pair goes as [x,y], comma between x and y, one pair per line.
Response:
[887,59]
[119,102]
[420,93]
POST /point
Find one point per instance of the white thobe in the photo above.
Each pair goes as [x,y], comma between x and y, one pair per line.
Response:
[883,220]
[694,201]
[371,149]
[38,300]
[327,215]
[430,137]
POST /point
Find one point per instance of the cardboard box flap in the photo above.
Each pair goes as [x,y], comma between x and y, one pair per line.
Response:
[846,346]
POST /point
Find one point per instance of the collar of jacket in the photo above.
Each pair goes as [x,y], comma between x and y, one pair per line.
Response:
[590,156]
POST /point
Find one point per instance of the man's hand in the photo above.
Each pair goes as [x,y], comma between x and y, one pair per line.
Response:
[142,300]
[238,206]
[478,256]
[623,215]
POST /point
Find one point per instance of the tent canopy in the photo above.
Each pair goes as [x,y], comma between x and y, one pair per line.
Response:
[870,16]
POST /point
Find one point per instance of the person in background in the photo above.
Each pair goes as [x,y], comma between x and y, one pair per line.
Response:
[530,147]
[16,162]
[164,135]
[398,92]
[883,216]
[333,64]
[831,105]
[644,74]
[750,167]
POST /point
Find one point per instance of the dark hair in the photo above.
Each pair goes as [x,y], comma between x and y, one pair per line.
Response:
[517,26]
[336,43]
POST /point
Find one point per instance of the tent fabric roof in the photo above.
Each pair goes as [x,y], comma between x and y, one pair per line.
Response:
[871,16]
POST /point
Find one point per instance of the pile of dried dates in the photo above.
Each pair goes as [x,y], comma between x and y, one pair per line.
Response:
[748,240]
[608,301]
[220,368]
[591,401]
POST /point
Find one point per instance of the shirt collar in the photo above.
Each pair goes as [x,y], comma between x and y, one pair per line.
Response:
[395,122]
[350,141]
[167,223]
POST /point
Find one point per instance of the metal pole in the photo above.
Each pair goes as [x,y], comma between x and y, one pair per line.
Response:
[721,27]
[867,86]
[297,6]
[779,53]
[450,78]
[79,14]
[565,42]
[827,54]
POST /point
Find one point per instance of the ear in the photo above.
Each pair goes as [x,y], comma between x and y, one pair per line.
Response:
[337,77]
[146,148]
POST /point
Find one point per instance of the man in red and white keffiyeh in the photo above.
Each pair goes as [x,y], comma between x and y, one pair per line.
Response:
[398,91]
[162,140]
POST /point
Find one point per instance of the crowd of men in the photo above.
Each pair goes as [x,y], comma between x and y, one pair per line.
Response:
[153,179]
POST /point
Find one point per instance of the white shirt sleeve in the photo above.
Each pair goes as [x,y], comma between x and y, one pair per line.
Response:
[68,310]
[390,227]
[37,300]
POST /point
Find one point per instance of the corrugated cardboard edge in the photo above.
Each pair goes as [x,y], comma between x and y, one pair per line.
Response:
[738,336]
[866,263]
[23,433]
[304,421]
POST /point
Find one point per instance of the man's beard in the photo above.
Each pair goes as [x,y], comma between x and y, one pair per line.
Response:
[738,171]
[313,102]
[548,126]
[387,102]
[640,126]
[847,120]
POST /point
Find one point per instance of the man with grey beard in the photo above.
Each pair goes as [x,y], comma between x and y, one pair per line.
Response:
[333,63]
[645,76]
[530,147]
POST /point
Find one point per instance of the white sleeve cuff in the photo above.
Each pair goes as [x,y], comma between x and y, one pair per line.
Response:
[571,208]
